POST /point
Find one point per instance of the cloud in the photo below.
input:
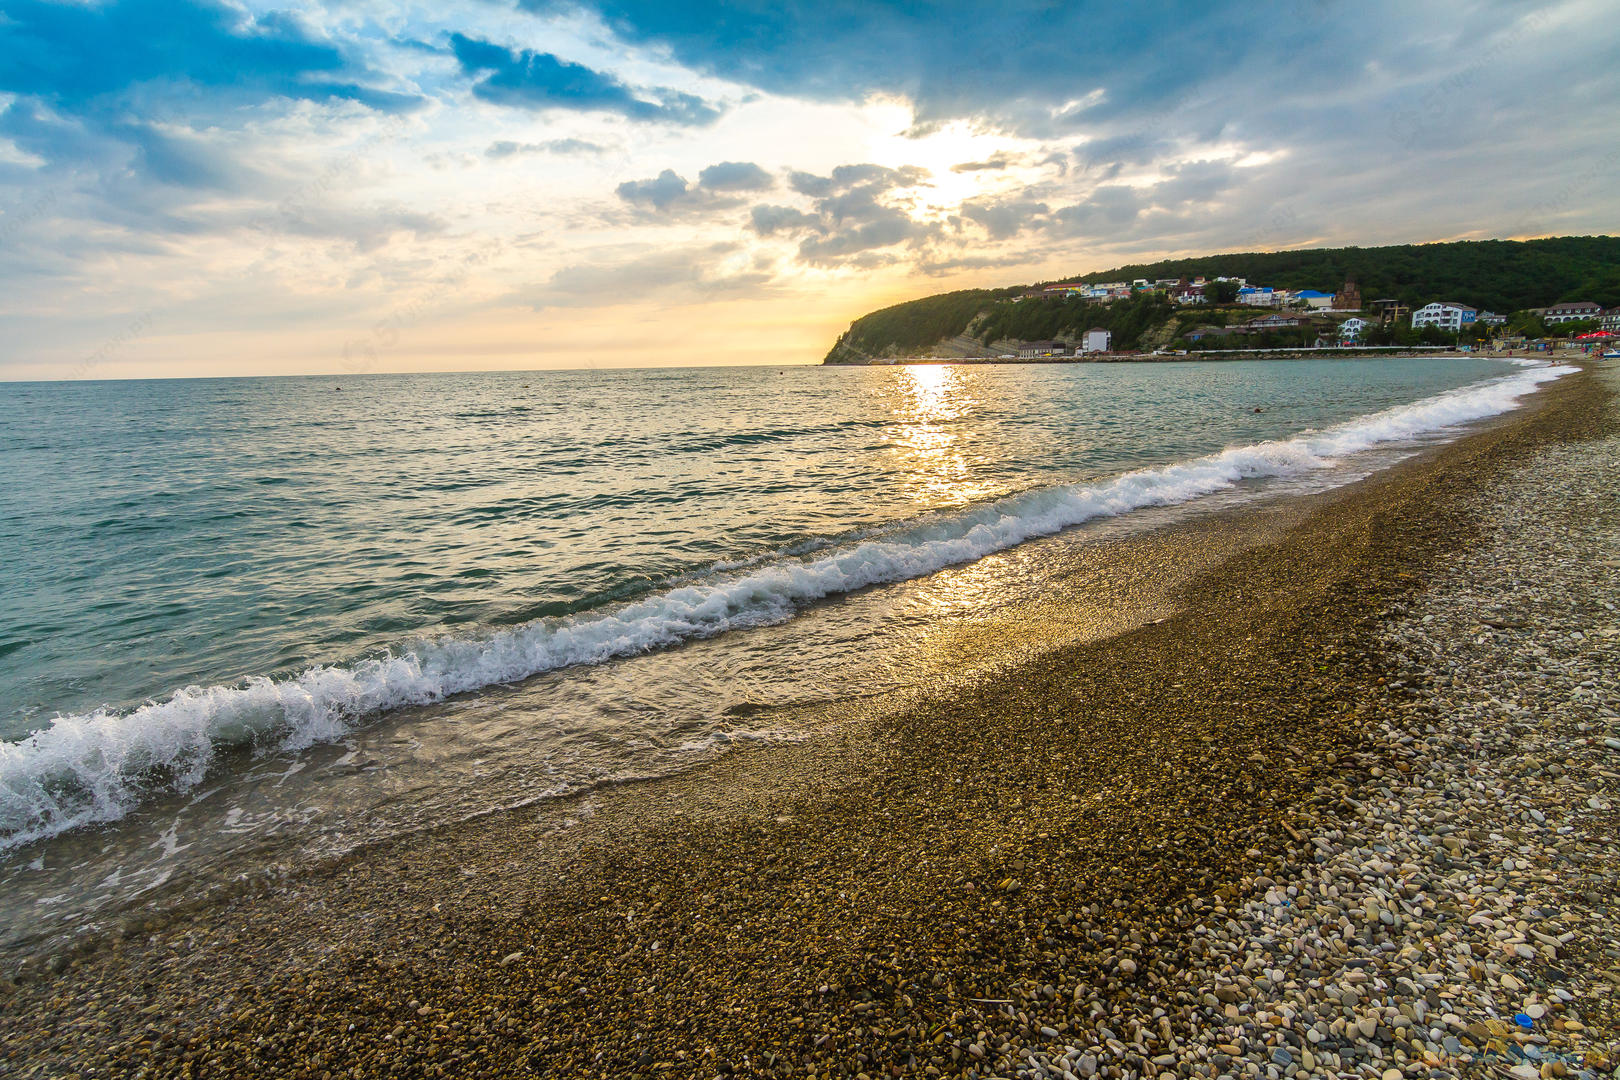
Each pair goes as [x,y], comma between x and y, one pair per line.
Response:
[1027,56]
[185,145]
[768,220]
[853,212]
[1107,208]
[116,95]
[1116,151]
[79,57]
[183,160]
[505,148]
[1195,181]
[810,184]
[660,193]
[1004,218]
[736,176]
[669,194]
[885,229]
[993,163]
[536,80]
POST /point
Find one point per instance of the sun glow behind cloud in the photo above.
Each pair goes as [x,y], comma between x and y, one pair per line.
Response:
[635,187]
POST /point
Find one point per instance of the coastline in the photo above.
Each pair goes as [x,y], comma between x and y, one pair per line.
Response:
[883,891]
[1392,352]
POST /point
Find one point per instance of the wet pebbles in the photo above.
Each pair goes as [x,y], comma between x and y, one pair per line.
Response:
[1352,813]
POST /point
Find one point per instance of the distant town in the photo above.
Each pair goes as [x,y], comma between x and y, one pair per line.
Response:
[1318,319]
[1523,296]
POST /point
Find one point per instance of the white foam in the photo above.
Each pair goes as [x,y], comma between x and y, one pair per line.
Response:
[94,767]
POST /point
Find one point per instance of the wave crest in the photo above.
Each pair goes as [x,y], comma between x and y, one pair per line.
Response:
[94,767]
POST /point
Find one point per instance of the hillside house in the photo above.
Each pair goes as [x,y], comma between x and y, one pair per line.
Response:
[1041,350]
[1352,329]
[1571,312]
[1265,324]
[1610,319]
[1318,301]
[1444,316]
[1096,340]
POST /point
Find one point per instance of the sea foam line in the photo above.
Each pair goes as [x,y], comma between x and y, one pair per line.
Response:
[94,767]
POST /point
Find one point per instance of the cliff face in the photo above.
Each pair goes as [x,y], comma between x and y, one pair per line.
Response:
[958,347]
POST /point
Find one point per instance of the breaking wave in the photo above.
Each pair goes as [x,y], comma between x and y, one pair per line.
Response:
[94,767]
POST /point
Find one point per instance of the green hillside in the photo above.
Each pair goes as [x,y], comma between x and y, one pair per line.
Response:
[1496,275]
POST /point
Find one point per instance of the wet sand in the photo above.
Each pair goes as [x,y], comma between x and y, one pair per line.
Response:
[1038,844]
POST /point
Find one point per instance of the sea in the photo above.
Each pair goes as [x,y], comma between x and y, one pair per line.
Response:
[248,623]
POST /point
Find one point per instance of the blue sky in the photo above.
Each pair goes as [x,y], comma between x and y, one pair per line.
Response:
[190,187]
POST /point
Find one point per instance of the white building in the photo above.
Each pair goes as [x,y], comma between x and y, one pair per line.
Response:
[1610,319]
[1039,350]
[1452,317]
[1313,299]
[1352,329]
[1562,313]
[1096,340]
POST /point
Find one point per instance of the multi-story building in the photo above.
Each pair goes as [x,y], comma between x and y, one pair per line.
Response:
[1445,316]
[1096,340]
[1267,323]
[1609,319]
[1351,329]
[1571,312]
[1040,350]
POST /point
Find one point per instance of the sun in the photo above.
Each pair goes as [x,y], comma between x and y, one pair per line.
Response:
[1007,163]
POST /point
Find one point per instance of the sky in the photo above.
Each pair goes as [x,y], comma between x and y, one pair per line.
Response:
[196,188]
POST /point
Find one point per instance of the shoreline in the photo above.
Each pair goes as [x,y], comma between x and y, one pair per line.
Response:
[1392,352]
[884,892]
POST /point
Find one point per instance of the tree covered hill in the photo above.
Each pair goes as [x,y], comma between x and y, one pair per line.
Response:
[1496,275]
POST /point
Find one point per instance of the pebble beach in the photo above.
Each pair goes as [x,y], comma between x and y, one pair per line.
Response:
[1349,811]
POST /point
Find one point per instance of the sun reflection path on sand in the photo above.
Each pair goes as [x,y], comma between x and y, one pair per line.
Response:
[933,406]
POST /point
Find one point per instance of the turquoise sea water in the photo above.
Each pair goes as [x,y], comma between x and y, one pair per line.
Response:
[205,576]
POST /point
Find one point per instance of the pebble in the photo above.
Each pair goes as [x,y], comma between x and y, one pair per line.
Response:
[1422,902]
